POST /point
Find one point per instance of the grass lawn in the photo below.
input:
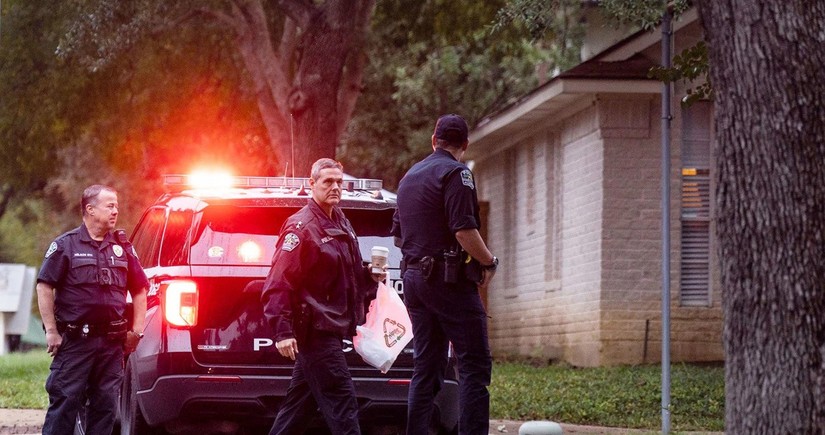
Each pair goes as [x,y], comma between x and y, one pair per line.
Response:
[22,379]
[628,397]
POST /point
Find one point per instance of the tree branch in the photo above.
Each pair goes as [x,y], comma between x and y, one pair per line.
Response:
[6,194]
[354,65]
[289,40]
[299,11]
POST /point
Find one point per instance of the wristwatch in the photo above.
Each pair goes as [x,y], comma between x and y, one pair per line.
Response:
[492,266]
[139,334]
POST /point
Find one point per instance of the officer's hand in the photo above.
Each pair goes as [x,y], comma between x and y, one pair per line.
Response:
[378,277]
[288,348]
[486,276]
[53,342]
[131,342]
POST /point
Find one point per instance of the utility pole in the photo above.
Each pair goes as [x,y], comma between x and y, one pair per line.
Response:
[666,116]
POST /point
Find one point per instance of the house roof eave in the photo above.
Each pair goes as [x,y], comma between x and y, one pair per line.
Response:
[549,101]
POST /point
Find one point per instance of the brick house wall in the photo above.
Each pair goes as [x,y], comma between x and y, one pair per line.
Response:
[575,214]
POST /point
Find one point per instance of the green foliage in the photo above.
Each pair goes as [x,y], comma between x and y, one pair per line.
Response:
[689,65]
[555,24]
[142,108]
[27,229]
[643,13]
[625,396]
[40,95]
[22,377]
[428,58]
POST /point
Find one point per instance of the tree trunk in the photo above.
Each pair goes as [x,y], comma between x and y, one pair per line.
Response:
[306,89]
[334,36]
[767,63]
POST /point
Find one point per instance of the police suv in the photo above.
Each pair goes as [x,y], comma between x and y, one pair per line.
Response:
[207,362]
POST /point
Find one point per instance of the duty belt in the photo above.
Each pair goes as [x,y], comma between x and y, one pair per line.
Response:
[112,329]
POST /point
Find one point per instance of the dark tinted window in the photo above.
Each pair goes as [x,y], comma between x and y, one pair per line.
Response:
[238,235]
[174,251]
[373,229]
[232,235]
[370,222]
[147,237]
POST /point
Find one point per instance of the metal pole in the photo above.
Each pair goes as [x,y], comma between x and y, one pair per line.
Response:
[666,54]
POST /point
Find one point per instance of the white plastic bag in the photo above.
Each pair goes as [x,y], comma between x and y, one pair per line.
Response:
[386,332]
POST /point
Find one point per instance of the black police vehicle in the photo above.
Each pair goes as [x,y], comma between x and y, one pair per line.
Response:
[207,362]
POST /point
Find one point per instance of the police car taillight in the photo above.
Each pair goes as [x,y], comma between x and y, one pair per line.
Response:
[180,302]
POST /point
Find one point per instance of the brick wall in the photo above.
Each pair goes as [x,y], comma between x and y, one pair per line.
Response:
[632,281]
[585,190]
[535,313]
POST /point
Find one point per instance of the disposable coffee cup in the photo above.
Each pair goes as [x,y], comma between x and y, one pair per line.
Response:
[379,258]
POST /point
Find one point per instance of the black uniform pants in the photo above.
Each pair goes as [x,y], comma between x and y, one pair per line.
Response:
[320,380]
[443,313]
[84,368]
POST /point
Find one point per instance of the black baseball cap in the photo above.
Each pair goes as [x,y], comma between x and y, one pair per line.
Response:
[452,128]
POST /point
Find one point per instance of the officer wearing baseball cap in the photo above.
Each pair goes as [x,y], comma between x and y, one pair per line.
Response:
[437,227]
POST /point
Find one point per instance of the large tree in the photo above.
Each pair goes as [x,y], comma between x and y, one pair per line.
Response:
[767,65]
[36,94]
[304,59]
[428,58]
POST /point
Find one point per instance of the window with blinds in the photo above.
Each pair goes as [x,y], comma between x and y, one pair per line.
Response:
[509,221]
[552,260]
[696,205]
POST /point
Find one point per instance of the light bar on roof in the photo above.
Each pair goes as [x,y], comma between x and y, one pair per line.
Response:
[187,181]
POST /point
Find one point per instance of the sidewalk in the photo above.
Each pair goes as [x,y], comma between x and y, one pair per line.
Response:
[21,421]
[30,421]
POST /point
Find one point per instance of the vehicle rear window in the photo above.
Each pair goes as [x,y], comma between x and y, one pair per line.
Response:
[174,240]
[230,235]
[147,237]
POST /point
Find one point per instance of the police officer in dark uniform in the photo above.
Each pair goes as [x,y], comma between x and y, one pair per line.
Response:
[446,261]
[81,295]
[314,296]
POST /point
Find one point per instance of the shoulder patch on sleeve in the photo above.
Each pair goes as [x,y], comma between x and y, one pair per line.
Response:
[52,248]
[467,179]
[291,240]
